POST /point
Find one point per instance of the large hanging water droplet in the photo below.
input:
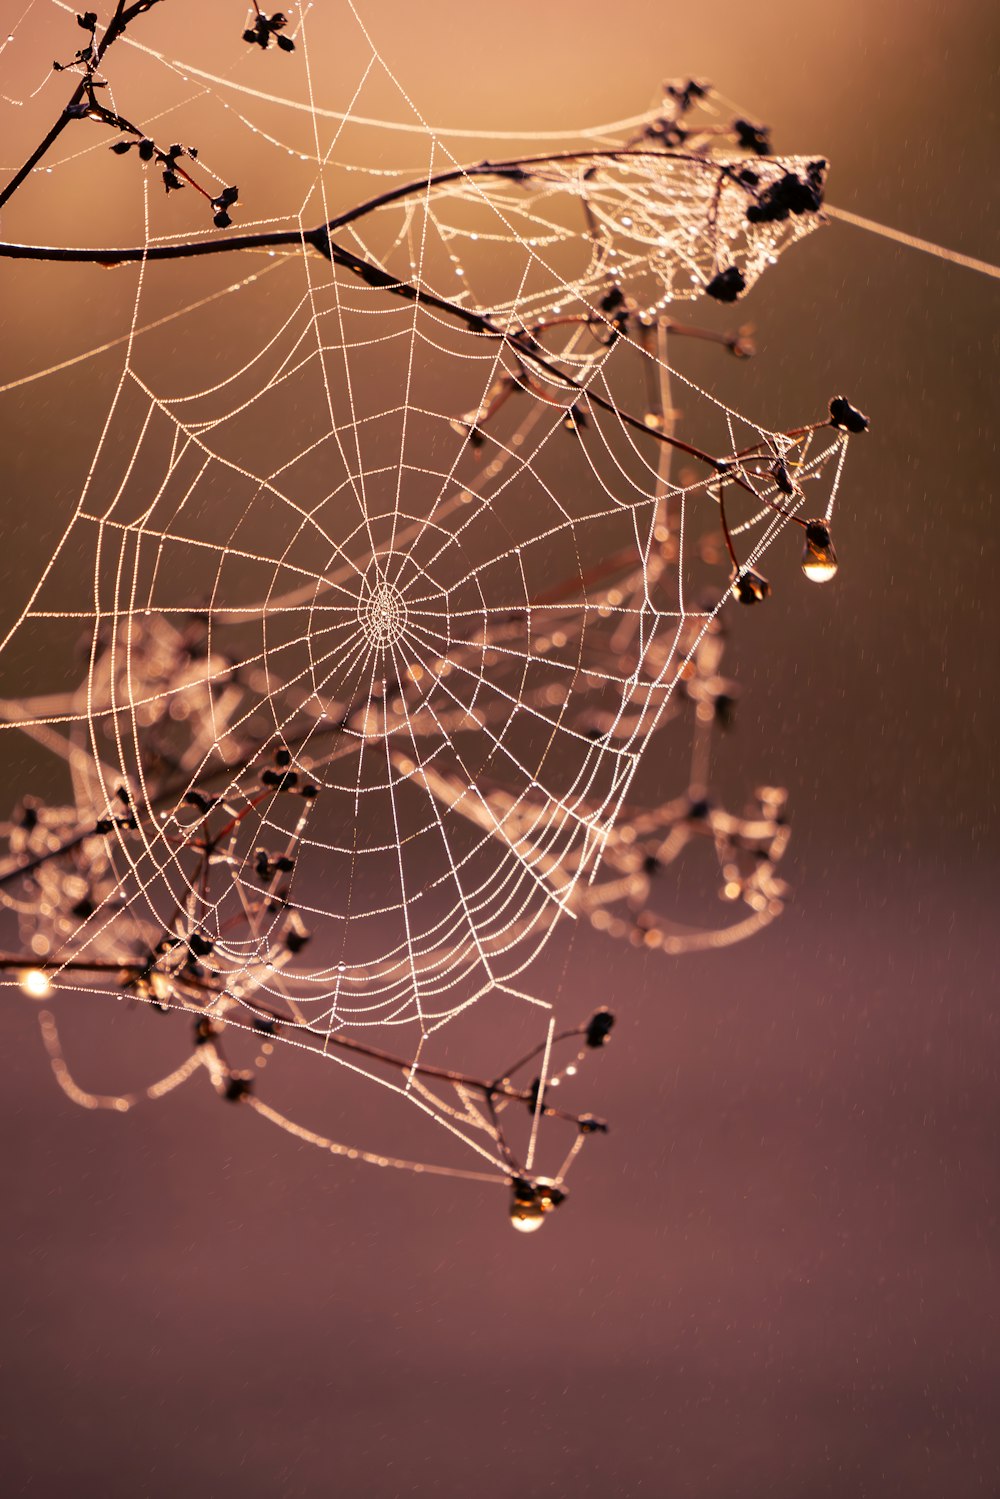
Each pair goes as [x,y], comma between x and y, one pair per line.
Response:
[819,560]
[526,1216]
[532,1202]
[751,587]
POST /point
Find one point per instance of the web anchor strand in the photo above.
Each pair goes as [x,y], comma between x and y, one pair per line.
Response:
[940,252]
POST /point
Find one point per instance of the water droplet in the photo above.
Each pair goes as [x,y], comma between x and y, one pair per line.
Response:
[819,560]
[532,1202]
[35,983]
[751,587]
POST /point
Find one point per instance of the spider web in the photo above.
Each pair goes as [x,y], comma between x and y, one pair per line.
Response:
[383,597]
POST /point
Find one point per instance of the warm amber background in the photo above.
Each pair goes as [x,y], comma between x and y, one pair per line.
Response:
[775,1276]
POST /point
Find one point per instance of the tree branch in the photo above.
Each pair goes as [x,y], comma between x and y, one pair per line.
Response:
[116,28]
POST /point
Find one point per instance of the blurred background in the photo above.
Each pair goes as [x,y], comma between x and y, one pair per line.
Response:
[776,1276]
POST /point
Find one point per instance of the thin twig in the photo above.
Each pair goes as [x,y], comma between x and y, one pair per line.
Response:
[130,971]
[117,26]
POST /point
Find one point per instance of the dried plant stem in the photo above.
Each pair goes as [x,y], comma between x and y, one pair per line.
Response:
[500,1088]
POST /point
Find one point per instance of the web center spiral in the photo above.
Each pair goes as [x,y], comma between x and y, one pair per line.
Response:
[383,615]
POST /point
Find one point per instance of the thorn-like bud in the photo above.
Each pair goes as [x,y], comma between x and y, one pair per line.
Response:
[727,285]
[599,1027]
[845,417]
[755,138]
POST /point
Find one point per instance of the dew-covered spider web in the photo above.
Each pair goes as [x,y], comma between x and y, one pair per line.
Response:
[401,543]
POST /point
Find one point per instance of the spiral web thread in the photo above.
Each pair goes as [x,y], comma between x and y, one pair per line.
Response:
[368,681]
